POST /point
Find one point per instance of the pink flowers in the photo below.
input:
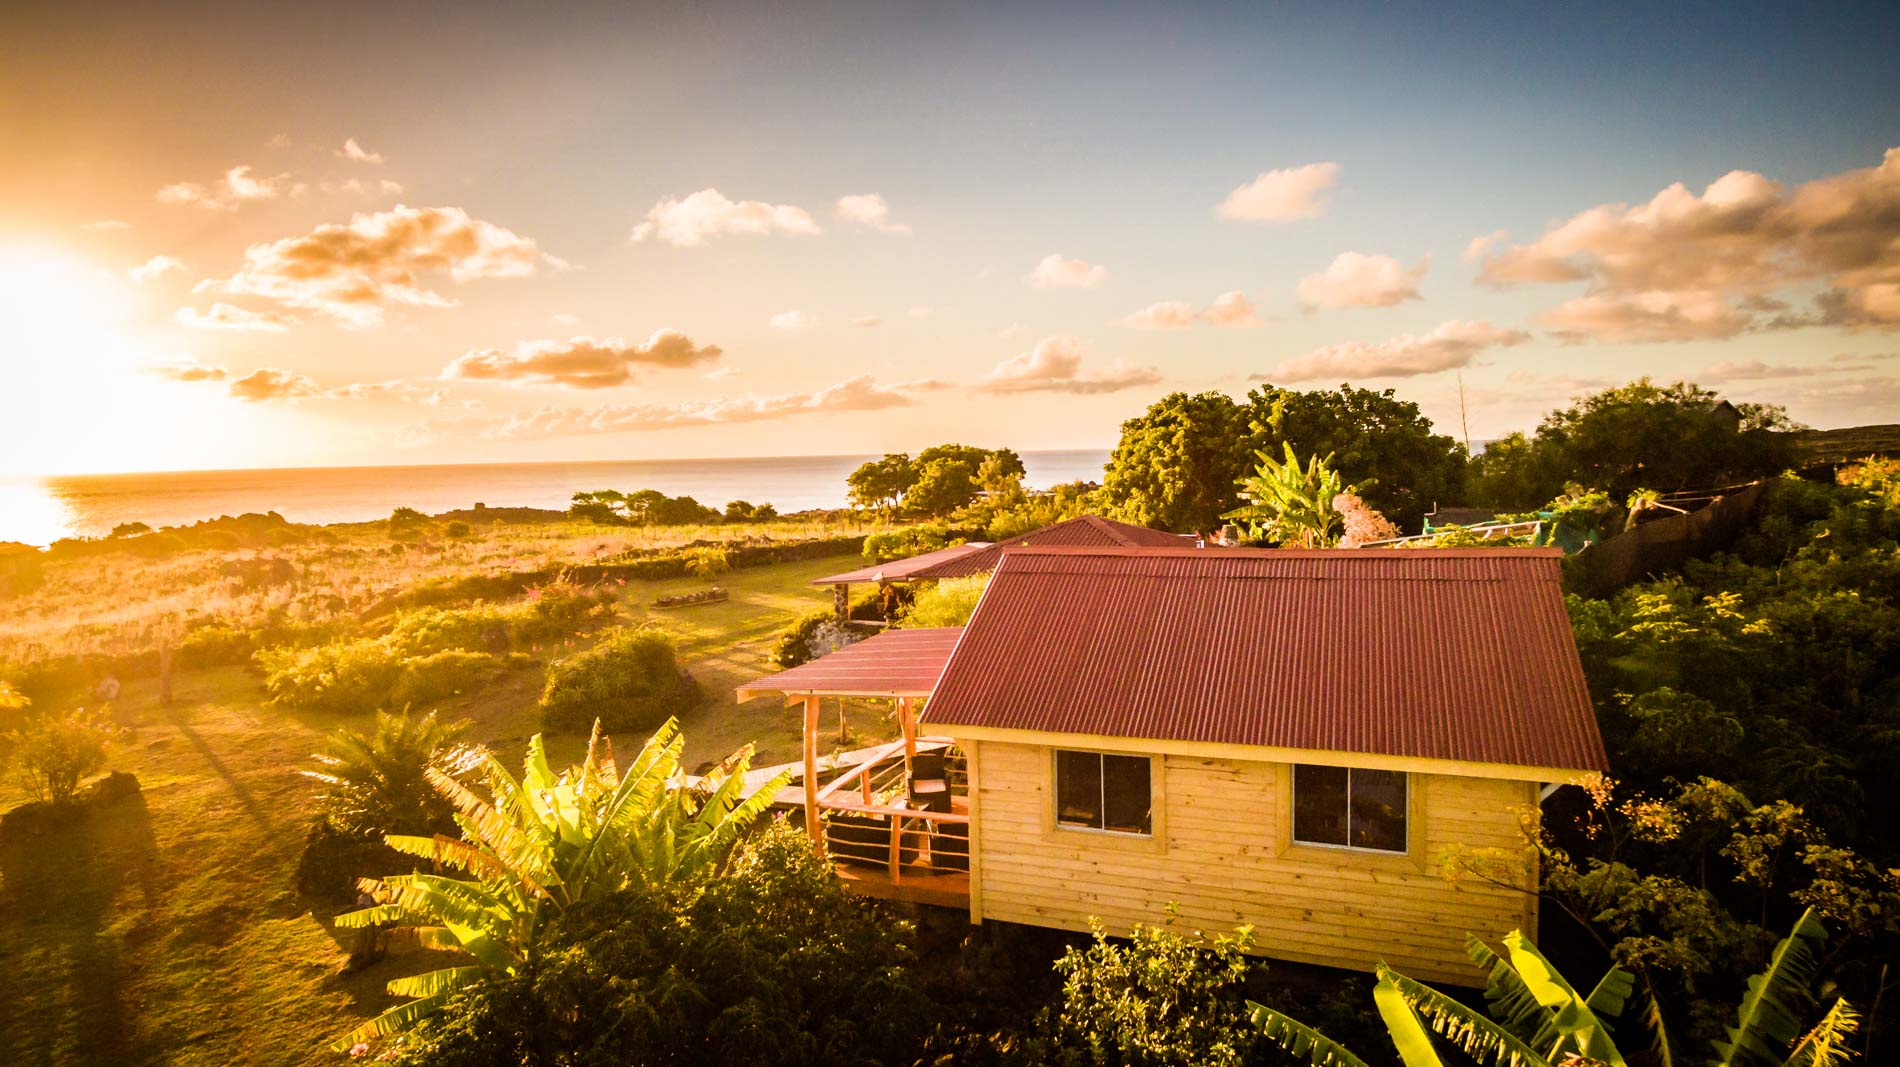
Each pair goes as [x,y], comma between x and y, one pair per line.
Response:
[1362,523]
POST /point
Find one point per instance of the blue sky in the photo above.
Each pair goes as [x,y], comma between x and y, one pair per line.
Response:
[996,137]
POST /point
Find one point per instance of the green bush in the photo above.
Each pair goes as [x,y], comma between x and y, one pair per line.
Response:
[795,643]
[53,753]
[215,644]
[631,681]
[770,964]
[341,676]
[708,561]
[949,602]
[456,528]
[908,541]
[439,675]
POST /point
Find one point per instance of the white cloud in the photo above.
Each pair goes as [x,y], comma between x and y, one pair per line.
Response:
[869,209]
[1055,366]
[1233,310]
[721,372]
[862,393]
[356,153]
[351,272]
[154,267]
[864,321]
[1055,271]
[708,214]
[1165,315]
[1281,195]
[1655,315]
[581,362]
[1355,279]
[1452,344]
[237,186]
[269,383]
[1483,243]
[227,317]
[187,370]
[1756,370]
[793,320]
[1656,270]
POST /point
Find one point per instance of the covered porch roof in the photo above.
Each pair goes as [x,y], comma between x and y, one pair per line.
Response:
[895,663]
[903,570]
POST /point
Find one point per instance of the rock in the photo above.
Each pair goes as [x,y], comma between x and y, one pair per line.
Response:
[112,788]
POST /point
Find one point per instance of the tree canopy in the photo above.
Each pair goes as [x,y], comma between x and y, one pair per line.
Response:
[941,479]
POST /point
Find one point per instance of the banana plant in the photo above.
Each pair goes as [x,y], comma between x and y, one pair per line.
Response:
[1292,504]
[543,843]
[1537,1017]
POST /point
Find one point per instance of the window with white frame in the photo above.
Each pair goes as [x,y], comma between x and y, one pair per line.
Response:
[1103,791]
[1349,807]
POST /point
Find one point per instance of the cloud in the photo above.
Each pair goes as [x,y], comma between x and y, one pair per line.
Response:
[721,372]
[793,320]
[1056,272]
[269,383]
[1656,269]
[1055,366]
[351,272]
[1355,279]
[1483,243]
[101,225]
[1756,370]
[381,186]
[237,186]
[154,267]
[581,362]
[1452,344]
[1281,195]
[869,209]
[924,385]
[1655,315]
[356,153]
[228,317]
[862,393]
[186,370]
[1166,315]
[1231,309]
[708,214]
[863,321]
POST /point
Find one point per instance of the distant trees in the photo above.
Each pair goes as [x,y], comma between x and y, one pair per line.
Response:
[940,480]
[1177,464]
[1636,436]
[650,507]
[1291,505]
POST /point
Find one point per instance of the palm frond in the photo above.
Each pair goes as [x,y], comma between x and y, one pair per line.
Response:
[1484,1040]
[1409,1036]
[1583,1030]
[1297,1039]
[1826,1044]
[1769,1016]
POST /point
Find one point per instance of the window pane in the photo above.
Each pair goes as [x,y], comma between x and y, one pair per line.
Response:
[1126,803]
[1378,810]
[1319,805]
[1079,789]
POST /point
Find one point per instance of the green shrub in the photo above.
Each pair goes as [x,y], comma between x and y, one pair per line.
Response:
[707,561]
[456,528]
[909,541]
[794,643]
[631,681]
[439,675]
[53,753]
[342,676]
[949,602]
[215,644]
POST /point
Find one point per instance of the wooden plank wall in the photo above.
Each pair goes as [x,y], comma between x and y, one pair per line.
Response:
[1222,852]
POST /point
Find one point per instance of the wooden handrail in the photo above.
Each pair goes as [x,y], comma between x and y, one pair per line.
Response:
[854,808]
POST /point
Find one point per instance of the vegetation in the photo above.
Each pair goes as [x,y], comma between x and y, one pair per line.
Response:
[942,479]
[1176,464]
[379,781]
[949,602]
[650,507]
[53,752]
[1290,505]
[811,635]
[543,845]
[908,541]
[1636,436]
[630,680]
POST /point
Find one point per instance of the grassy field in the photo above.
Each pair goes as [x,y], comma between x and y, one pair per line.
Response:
[164,928]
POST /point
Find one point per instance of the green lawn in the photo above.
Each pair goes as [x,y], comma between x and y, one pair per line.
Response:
[164,929]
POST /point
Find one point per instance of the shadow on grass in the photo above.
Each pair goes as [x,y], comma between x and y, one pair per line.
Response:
[63,894]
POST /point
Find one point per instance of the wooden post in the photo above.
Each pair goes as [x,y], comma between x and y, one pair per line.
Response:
[811,771]
[897,838]
[907,721]
[841,601]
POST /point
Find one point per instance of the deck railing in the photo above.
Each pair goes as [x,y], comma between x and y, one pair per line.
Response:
[869,823]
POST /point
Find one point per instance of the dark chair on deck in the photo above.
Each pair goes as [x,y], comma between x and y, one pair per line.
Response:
[929,786]
[856,838]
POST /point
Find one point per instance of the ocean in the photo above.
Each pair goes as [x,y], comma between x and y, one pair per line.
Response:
[38,511]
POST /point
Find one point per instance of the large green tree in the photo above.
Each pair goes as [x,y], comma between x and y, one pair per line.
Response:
[1177,463]
[1373,438]
[1639,436]
[880,484]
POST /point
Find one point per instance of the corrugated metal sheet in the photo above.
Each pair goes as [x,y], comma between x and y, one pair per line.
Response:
[902,570]
[894,663]
[1441,654]
[1083,531]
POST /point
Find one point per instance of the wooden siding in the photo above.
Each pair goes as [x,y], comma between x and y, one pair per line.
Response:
[1222,851]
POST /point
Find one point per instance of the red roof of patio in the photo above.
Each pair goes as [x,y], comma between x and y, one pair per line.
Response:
[895,663]
[981,557]
[903,570]
[1442,654]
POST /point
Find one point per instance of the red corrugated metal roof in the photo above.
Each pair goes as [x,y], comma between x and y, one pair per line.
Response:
[1440,654]
[902,570]
[894,663]
[982,557]
[1083,531]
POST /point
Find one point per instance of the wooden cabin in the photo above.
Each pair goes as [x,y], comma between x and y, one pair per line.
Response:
[1285,739]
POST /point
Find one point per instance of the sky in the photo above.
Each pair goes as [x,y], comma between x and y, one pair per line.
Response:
[266,235]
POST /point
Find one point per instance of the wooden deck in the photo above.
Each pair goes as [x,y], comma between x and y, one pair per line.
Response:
[943,889]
